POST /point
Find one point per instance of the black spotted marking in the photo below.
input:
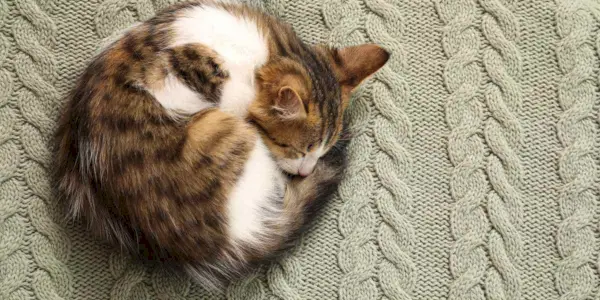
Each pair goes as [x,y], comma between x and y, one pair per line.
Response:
[190,53]
[134,157]
[148,135]
[209,190]
[205,194]
[143,71]
[213,221]
[203,162]
[122,76]
[162,215]
[172,151]
[130,46]
[165,154]
[238,172]
[121,124]
[149,39]
[185,76]
[217,71]
[239,149]
[201,79]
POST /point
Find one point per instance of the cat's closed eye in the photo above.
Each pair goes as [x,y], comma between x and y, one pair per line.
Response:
[311,146]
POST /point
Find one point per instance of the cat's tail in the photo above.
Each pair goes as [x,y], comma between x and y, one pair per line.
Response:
[303,199]
[78,193]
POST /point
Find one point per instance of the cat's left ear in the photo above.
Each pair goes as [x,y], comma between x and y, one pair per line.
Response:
[289,104]
[355,64]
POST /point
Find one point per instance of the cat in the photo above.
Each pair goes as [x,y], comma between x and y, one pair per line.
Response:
[206,136]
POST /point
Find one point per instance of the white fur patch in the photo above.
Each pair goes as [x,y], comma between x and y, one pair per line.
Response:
[177,98]
[237,40]
[253,200]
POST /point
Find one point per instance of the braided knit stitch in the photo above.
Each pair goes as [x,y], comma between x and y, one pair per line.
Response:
[249,289]
[462,77]
[575,278]
[129,277]
[598,54]
[6,81]
[14,263]
[393,162]
[502,131]
[285,276]
[169,285]
[161,4]
[357,220]
[34,33]
[115,15]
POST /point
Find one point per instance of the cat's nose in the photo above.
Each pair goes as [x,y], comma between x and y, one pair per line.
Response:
[303,174]
[307,166]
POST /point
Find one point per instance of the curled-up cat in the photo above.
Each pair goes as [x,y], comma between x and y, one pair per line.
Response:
[206,135]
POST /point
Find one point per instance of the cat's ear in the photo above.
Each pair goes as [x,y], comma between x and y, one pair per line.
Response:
[354,64]
[289,105]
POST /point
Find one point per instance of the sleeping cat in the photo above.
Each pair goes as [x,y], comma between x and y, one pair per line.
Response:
[202,136]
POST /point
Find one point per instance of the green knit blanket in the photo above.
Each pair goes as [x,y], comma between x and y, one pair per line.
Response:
[474,165]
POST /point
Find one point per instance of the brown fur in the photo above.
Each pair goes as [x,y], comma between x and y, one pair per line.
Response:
[158,186]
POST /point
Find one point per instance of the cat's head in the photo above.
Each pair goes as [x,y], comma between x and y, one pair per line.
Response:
[302,98]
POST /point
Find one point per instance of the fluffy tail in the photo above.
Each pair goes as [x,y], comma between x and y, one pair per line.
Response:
[303,199]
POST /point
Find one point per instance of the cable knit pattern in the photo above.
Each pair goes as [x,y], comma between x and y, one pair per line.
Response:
[357,255]
[38,101]
[462,77]
[285,276]
[472,167]
[575,278]
[129,278]
[392,164]
[248,289]
[13,225]
[502,61]
[114,15]
[169,285]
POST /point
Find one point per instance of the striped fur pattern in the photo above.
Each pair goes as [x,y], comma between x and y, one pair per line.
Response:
[183,144]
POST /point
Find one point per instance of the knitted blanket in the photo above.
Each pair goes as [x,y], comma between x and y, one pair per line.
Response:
[473,170]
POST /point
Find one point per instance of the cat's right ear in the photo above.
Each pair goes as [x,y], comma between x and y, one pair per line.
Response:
[355,64]
[289,105]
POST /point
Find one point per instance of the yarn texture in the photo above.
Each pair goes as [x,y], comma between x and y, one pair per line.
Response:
[474,165]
